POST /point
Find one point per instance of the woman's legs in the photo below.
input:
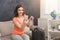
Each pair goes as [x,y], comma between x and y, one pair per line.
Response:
[25,37]
[16,37]
[20,37]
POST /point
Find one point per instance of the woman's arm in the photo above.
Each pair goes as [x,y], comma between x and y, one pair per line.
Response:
[31,18]
[20,26]
[28,21]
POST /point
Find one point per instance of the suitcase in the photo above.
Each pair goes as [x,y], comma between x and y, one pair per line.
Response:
[38,34]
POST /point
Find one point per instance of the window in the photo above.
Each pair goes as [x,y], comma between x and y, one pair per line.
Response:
[50,6]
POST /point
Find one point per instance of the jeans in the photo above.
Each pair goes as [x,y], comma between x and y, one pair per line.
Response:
[20,37]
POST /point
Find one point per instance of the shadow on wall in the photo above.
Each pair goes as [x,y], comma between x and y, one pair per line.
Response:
[7,8]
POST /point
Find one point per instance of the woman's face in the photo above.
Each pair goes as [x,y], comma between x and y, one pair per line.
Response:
[20,11]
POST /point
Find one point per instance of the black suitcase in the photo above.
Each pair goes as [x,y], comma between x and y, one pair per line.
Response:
[38,34]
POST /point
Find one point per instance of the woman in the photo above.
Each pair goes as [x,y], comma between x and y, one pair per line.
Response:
[19,24]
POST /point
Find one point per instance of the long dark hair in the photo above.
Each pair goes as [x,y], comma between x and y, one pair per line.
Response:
[15,11]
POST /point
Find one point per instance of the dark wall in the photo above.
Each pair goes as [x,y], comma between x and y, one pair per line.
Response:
[32,7]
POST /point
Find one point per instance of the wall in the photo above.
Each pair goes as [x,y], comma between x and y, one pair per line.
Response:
[7,7]
[59,6]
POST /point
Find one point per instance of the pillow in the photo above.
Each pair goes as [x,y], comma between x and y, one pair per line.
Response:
[6,27]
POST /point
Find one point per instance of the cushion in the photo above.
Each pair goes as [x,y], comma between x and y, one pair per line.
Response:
[6,27]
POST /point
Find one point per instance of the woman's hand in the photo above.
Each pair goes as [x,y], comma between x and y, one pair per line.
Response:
[27,21]
[31,18]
